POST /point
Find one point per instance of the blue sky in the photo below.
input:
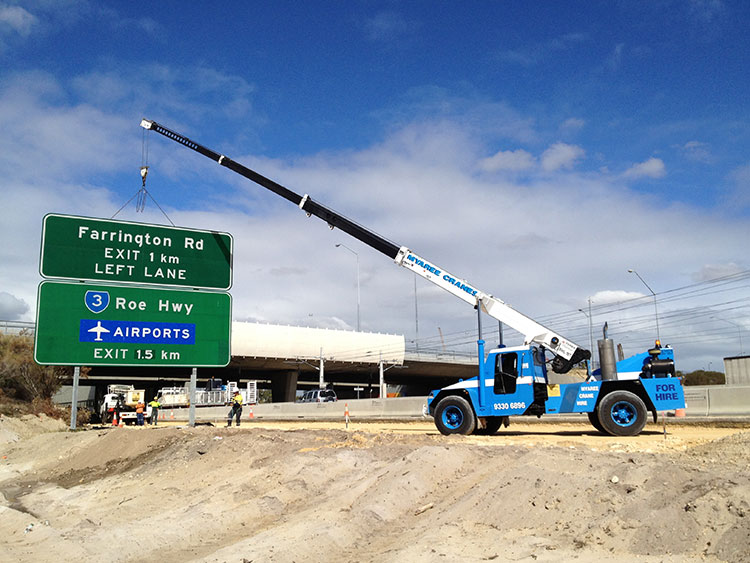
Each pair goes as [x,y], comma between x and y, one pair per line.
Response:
[537,150]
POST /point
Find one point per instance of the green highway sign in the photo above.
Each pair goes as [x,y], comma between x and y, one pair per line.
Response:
[121,325]
[83,248]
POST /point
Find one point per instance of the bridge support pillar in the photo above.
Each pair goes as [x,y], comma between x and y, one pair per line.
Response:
[284,386]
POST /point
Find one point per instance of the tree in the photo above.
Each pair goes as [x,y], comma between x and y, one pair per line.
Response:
[265,396]
[20,376]
[702,377]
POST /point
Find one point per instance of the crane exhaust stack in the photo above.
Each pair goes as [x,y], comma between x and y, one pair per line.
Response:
[607,360]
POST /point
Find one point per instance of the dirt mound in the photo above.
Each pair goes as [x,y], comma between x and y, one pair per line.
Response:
[263,494]
[733,449]
[14,429]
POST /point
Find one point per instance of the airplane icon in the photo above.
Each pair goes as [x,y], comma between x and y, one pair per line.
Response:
[98,329]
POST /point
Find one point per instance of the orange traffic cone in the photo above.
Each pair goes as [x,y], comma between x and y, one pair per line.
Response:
[171,414]
[114,420]
[250,414]
[346,414]
[679,412]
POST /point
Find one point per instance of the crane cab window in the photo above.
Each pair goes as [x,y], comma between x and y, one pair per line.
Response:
[506,373]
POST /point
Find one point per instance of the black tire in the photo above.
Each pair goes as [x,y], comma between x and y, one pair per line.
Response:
[454,415]
[595,422]
[491,425]
[622,413]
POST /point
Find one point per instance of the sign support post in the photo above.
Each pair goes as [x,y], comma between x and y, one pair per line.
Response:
[193,384]
[74,398]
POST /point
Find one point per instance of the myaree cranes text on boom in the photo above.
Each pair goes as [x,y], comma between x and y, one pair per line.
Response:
[511,381]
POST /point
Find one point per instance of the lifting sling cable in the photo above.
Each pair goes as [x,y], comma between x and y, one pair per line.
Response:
[143,194]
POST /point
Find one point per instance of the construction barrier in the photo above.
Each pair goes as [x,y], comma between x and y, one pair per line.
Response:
[716,400]
[409,407]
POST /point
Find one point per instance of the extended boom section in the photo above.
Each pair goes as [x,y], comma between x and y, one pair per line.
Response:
[305,202]
[567,354]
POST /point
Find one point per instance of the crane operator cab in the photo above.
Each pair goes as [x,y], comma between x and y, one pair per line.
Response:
[512,381]
[520,378]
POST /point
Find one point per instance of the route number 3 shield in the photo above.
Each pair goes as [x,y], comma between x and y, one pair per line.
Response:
[96,301]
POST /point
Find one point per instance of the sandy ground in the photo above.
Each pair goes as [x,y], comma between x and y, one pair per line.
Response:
[385,492]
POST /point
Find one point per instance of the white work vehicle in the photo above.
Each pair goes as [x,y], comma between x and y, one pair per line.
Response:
[177,397]
[123,399]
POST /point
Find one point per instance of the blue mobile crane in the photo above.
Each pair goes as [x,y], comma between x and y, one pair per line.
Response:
[510,381]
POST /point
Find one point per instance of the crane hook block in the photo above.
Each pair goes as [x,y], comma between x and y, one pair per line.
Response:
[144,173]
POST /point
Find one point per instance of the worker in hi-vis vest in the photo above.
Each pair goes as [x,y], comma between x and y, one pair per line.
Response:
[236,411]
[155,405]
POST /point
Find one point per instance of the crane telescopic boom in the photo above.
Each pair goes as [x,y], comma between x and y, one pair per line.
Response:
[566,352]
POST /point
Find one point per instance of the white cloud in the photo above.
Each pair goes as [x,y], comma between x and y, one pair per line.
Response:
[697,151]
[572,124]
[706,11]
[145,25]
[615,59]
[484,118]
[11,307]
[38,129]
[17,19]
[160,88]
[739,179]
[514,161]
[387,26]
[713,271]
[561,156]
[539,52]
[651,168]
[614,296]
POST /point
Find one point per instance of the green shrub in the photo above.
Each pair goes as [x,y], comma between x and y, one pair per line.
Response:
[702,377]
[20,376]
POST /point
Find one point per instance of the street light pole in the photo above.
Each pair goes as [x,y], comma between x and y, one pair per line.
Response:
[591,330]
[739,332]
[416,316]
[357,255]
[656,311]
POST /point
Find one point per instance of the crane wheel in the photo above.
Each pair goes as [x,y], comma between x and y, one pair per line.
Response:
[595,422]
[454,415]
[491,425]
[622,413]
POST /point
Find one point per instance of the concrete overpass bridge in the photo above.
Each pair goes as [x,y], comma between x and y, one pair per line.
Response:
[285,359]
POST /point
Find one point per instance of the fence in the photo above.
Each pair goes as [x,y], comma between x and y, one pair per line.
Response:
[17,327]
